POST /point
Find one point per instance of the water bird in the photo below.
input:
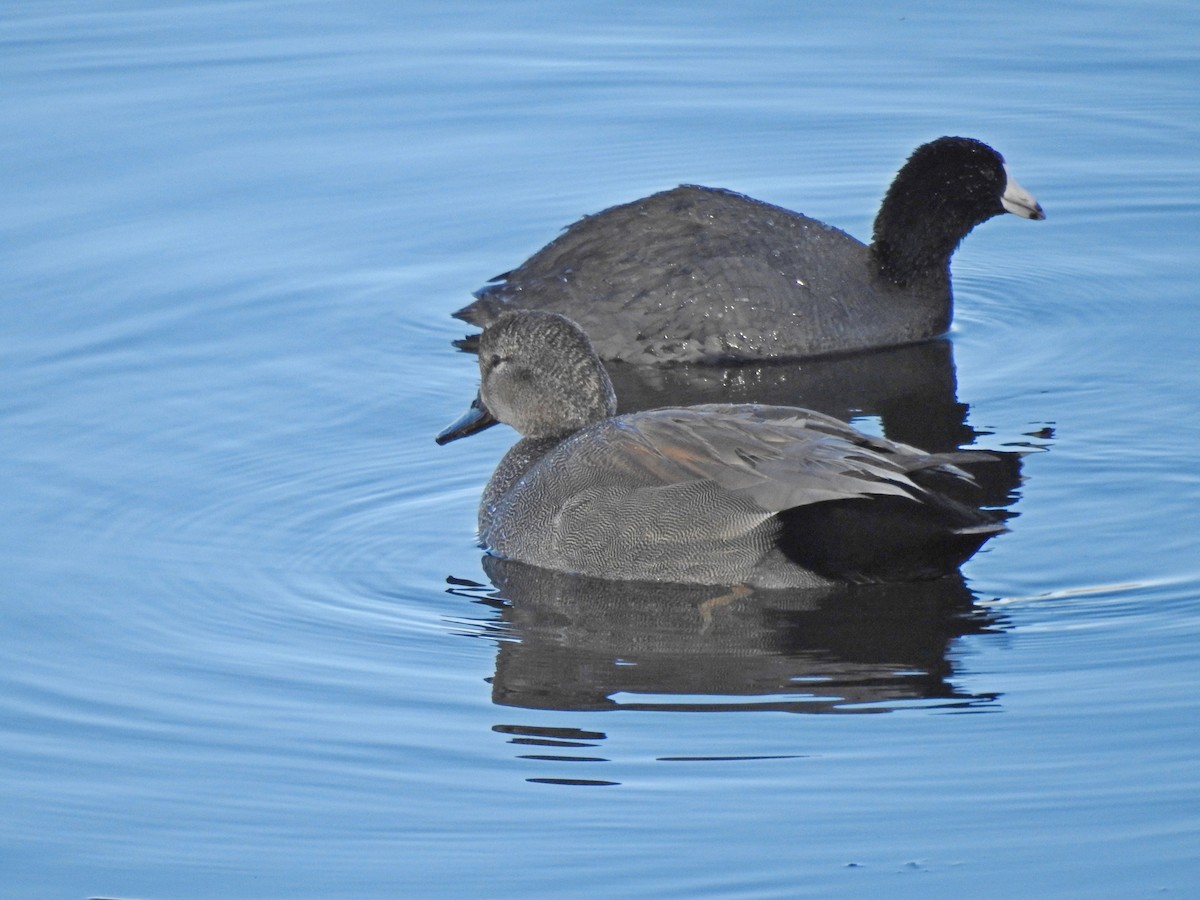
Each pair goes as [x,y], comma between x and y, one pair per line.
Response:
[730,494]
[698,274]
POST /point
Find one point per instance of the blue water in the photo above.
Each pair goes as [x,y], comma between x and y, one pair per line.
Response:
[234,665]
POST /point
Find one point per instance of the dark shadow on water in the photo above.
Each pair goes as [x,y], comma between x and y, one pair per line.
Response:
[912,389]
[570,643]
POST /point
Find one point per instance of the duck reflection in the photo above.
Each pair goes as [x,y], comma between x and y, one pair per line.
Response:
[571,643]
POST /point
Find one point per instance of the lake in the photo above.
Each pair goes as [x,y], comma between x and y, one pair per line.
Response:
[251,646]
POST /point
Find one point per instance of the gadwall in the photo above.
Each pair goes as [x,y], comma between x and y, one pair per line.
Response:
[765,496]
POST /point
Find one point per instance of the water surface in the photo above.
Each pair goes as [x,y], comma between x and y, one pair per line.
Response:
[251,649]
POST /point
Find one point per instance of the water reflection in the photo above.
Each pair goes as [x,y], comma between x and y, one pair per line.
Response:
[912,389]
[571,643]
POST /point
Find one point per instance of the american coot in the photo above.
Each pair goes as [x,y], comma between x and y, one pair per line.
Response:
[699,274]
[770,496]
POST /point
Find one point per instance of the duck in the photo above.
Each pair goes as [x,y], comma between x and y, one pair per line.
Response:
[745,495]
[706,275]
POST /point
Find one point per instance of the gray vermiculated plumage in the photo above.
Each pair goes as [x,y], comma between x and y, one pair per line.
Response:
[715,494]
[698,274]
